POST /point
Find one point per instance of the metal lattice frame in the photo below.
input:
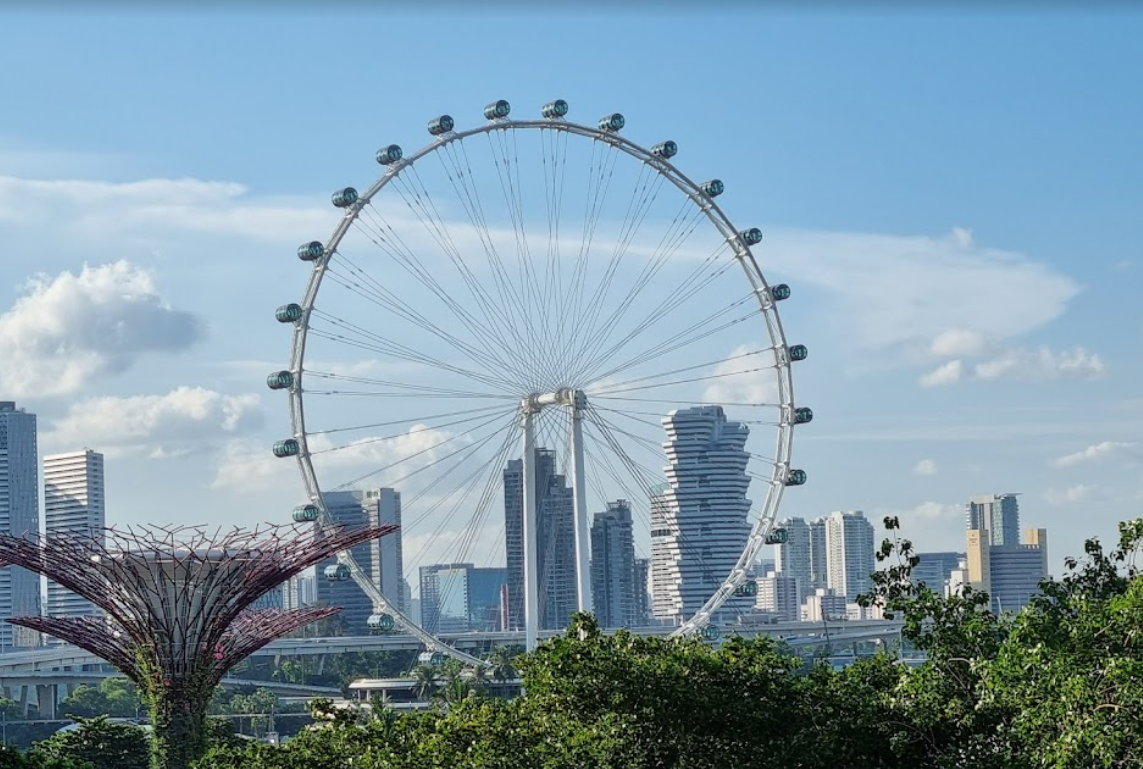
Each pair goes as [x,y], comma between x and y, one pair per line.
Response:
[177,605]
[742,252]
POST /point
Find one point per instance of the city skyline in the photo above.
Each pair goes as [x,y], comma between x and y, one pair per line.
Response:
[961,321]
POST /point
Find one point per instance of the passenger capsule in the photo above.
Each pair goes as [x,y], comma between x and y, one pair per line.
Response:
[748,588]
[441,125]
[711,632]
[390,154]
[338,573]
[280,380]
[796,478]
[380,622]
[713,188]
[287,448]
[306,513]
[751,237]
[780,536]
[803,415]
[289,313]
[665,150]
[345,198]
[799,352]
[612,123]
[308,252]
[497,110]
[779,292]
[554,109]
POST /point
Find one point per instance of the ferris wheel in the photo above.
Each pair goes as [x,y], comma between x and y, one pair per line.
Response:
[545,309]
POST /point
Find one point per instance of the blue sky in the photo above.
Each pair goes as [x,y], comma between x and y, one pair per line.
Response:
[953,196]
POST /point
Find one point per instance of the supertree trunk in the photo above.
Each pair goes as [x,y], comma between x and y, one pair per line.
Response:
[178,718]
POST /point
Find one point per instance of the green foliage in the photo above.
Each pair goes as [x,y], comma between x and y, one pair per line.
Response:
[102,743]
[115,697]
[1057,685]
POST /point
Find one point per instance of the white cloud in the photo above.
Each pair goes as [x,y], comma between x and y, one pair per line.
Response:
[160,426]
[956,342]
[891,290]
[1042,364]
[944,374]
[1097,452]
[753,386]
[250,467]
[962,236]
[935,511]
[925,467]
[101,209]
[70,328]
[1082,492]
[1022,365]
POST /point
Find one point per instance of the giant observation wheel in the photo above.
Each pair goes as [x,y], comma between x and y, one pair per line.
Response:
[532,299]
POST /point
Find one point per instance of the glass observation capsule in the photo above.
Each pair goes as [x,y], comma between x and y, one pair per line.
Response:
[554,109]
[779,292]
[382,622]
[612,123]
[345,198]
[750,587]
[497,110]
[287,448]
[713,188]
[289,313]
[796,478]
[441,125]
[802,415]
[711,632]
[306,513]
[308,252]
[751,237]
[667,149]
[280,380]
[338,573]
[799,352]
[779,536]
[390,154]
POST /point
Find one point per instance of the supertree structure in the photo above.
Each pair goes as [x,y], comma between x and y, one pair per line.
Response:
[177,607]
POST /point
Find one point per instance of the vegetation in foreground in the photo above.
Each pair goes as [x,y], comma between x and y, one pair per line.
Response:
[1058,685]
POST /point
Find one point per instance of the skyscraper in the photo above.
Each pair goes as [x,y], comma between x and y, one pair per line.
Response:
[935,569]
[613,573]
[819,562]
[459,597]
[998,515]
[381,561]
[19,514]
[642,592]
[698,518]
[555,538]
[849,553]
[74,504]
[1010,574]
[792,558]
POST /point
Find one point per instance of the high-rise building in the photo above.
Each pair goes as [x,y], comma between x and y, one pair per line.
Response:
[555,539]
[380,560]
[819,562]
[613,573]
[1010,574]
[824,605]
[849,553]
[792,558]
[779,594]
[699,517]
[642,592]
[459,597]
[300,590]
[935,569]
[74,505]
[19,514]
[996,514]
